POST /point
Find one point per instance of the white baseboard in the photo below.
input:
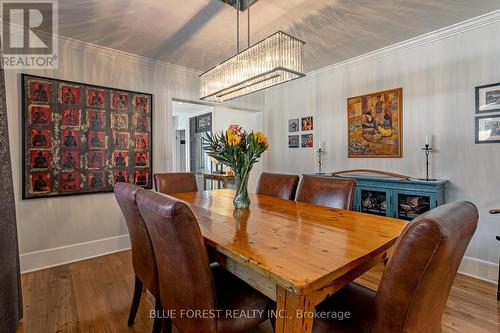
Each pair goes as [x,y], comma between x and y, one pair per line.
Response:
[34,261]
[479,269]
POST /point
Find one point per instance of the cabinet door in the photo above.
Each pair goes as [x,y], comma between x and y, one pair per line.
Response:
[410,204]
[374,200]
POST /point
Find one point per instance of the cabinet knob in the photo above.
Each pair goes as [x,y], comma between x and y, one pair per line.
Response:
[495,211]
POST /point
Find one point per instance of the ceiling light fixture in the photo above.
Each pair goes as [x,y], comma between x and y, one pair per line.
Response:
[276,59]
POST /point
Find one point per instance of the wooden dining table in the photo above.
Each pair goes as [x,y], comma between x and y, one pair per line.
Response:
[295,253]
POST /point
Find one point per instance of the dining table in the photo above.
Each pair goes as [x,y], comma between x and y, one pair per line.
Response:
[295,253]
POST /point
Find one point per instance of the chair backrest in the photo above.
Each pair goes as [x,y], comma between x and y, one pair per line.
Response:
[417,280]
[175,182]
[278,185]
[143,258]
[327,191]
[185,278]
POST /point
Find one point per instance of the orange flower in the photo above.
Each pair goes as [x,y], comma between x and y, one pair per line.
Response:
[233,139]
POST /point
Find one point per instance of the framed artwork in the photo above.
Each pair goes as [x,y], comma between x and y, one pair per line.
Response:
[204,123]
[293,125]
[307,140]
[488,98]
[375,124]
[488,129]
[83,139]
[307,124]
[293,141]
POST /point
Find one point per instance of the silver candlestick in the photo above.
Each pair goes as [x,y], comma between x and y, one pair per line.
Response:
[320,153]
[427,149]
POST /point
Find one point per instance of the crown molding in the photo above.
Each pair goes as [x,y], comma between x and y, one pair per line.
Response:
[120,55]
[443,33]
[82,46]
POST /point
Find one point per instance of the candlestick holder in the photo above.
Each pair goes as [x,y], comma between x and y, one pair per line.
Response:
[427,149]
[320,153]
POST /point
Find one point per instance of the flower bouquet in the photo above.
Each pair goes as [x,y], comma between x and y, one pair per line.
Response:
[238,150]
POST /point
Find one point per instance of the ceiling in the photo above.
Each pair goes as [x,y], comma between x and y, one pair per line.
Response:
[189,108]
[198,34]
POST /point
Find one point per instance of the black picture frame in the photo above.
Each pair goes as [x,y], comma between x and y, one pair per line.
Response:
[478,119]
[57,105]
[478,98]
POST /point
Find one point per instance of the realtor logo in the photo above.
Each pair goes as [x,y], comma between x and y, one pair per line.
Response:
[29,30]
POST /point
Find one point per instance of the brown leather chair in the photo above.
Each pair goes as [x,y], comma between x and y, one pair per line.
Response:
[277,185]
[416,282]
[331,192]
[175,182]
[187,281]
[143,259]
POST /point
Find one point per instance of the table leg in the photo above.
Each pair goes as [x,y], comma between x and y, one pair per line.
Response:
[204,183]
[294,313]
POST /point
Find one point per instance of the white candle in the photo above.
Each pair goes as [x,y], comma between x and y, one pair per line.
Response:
[428,139]
[320,144]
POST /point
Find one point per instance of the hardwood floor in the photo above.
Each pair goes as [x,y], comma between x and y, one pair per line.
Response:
[94,296]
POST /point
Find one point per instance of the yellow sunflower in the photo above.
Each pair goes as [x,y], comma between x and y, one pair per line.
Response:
[261,138]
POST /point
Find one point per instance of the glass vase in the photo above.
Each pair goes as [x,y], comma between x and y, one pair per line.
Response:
[241,199]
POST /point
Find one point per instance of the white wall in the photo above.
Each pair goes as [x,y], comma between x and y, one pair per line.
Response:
[56,230]
[438,73]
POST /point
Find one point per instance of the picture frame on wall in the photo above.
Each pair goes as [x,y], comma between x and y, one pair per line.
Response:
[488,98]
[374,125]
[293,141]
[82,139]
[293,125]
[307,123]
[307,140]
[488,129]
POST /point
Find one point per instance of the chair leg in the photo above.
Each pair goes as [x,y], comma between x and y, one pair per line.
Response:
[498,290]
[167,325]
[158,321]
[135,301]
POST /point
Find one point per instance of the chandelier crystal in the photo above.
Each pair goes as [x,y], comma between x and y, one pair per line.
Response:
[277,59]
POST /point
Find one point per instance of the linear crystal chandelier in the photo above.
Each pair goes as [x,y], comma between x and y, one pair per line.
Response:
[276,59]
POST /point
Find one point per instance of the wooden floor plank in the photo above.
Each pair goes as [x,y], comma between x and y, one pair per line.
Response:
[93,296]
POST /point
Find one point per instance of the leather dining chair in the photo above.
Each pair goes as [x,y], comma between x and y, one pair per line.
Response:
[412,293]
[143,259]
[278,185]
[175,182]
[323,191]
[187,281]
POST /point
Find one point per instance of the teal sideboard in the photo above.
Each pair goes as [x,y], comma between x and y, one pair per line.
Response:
[388,196]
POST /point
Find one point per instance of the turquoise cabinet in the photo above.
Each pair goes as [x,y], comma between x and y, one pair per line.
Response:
[393,197]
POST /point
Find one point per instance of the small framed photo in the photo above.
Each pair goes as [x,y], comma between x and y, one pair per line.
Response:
[488,129]
[307,124]
[488,98]
[307,140]
[293,125]
[293,141]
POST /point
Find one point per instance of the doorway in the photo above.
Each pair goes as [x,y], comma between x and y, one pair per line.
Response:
[191,122]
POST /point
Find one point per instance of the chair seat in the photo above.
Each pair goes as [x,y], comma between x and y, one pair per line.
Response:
[355,299]
[234,294]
